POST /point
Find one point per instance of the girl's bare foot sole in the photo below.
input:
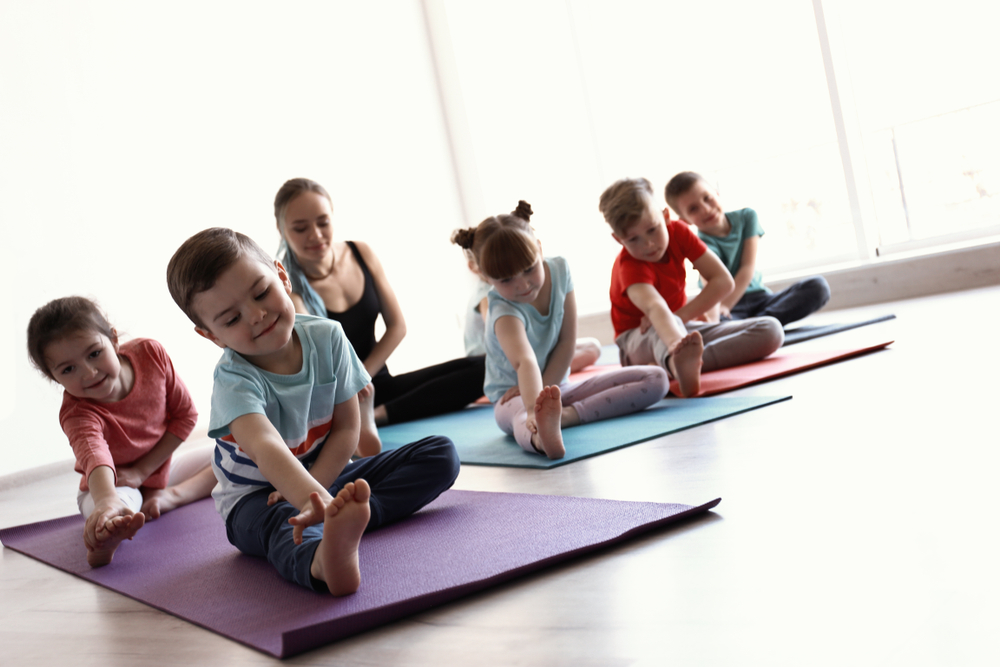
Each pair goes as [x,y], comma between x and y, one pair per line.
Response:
[121,528]
[548,416]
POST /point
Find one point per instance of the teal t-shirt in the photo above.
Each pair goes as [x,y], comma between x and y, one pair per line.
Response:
[542,330]
[743,225]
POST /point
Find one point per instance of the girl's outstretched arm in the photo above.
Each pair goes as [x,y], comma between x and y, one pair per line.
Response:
[718,285]
[514,343]
[392,314]
[139,470]
[562,354]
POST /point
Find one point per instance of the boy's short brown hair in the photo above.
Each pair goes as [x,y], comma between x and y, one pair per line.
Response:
[204,257]
[678,185]
[624,202]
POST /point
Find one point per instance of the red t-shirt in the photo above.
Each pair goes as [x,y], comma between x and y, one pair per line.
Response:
[121,432]
[666,276]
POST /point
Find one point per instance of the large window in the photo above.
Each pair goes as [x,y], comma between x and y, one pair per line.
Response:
[927,100]
[891,142]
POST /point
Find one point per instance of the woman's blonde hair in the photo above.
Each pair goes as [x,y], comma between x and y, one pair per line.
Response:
[502,245]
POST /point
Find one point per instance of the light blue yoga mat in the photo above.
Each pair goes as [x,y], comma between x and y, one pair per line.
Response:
[481,442]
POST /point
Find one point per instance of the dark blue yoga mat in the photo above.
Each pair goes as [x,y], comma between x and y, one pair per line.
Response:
[481,442]
[808,331]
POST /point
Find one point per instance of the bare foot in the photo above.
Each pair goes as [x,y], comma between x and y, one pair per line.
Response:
[685,363]
[369,444]
[111,535]
[548,416]
[336,558]
[588,351]
[159,501]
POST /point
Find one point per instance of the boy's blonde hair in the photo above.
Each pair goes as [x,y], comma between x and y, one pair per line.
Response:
[502,245]
[678,185]
[204,257]
[624,202]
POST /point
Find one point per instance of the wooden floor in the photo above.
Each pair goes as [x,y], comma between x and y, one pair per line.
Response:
[857,527]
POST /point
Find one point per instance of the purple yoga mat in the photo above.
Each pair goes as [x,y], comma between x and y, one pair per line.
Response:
[461,543]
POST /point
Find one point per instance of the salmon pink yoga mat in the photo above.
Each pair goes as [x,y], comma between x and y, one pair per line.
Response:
[781,363]
[463,542]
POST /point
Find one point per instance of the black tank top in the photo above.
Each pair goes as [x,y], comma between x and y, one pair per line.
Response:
[359,320]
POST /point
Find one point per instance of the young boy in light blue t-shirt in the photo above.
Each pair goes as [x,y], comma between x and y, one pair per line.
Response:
[286,420]
[733,236]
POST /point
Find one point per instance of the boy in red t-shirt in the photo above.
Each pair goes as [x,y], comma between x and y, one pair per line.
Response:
[653,320]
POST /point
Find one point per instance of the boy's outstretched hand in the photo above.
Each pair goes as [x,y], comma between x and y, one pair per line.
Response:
[313,513]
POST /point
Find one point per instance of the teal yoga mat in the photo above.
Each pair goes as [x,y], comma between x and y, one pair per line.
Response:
[480,442]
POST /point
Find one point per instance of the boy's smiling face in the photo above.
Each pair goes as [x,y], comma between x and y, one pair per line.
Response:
[700,206]
[646,239]
[249,310]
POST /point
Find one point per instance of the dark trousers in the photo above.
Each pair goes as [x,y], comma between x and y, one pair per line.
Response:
[430,391]
[789,305]
[402,481]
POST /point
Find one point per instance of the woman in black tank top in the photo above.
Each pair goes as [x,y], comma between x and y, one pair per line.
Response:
[346,282]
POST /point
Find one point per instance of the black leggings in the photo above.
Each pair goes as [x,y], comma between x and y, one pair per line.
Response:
[430,391]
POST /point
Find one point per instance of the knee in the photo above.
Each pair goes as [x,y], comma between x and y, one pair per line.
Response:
[771,331]
[442,452]
[659,381]
[818,288]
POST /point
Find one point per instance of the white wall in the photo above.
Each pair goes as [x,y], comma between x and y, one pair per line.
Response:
[126,127]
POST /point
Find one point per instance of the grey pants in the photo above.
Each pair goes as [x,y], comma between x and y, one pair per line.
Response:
[726,344]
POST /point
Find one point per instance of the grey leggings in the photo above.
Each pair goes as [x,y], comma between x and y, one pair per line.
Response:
[609,394]
[726,344]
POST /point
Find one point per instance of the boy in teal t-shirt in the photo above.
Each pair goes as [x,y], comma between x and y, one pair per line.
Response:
[286,420]
[734,237]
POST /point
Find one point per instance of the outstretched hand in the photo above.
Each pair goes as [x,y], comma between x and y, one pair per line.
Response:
[313,513]
[129,476]
[513,392]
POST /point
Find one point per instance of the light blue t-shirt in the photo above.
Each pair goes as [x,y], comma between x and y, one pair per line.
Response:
[743,225]
[542,330]
[299,406]
[475,328]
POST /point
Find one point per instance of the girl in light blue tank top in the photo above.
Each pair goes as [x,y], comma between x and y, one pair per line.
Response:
[531,339]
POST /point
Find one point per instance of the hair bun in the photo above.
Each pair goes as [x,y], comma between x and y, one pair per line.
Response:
[523,210]
[464,237]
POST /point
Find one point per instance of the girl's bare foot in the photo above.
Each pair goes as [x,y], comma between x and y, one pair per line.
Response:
[685,363]
[159,501]
[111,535]
[548,416]
[345,520]
[369,444]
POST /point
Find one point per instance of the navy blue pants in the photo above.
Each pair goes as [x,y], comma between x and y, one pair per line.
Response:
[402,481]
[789,305]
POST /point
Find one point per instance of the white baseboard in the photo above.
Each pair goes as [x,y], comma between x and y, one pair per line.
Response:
[878,281]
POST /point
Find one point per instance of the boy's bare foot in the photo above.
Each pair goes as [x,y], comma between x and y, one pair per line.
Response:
[111,535]
[369,444]
[345,520]
[548,415]
[685,363]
